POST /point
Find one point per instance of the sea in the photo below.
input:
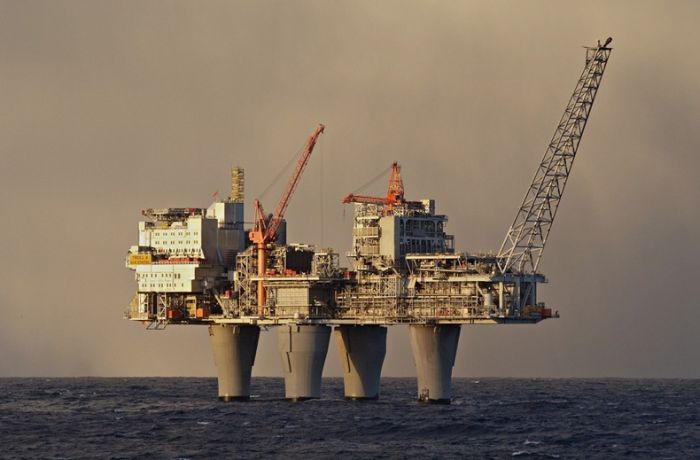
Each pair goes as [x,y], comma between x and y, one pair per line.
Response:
[182,418]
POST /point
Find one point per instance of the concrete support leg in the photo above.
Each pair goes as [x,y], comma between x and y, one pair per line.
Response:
[234,348]
[361,350]
[434,350]
[303,350]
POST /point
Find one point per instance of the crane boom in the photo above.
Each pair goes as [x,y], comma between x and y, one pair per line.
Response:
[265,232]
[277,217]
[394,194]
[524,243]
[352,198]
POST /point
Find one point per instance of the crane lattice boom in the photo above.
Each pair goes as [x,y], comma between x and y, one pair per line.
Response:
[524,243]
[352,198]
[264,232]
[277,217]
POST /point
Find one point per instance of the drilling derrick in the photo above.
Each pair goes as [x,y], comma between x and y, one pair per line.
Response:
[524,243]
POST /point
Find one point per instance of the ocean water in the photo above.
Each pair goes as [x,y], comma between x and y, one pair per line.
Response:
[178,418]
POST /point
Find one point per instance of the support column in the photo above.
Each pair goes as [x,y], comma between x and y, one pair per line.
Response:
[234,348]
[434,351]
[303,350]
[361,350]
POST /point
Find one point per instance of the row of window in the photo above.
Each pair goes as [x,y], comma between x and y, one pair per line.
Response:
[182,251]
[175,242]
[161,275]
[178,233]
[160,285]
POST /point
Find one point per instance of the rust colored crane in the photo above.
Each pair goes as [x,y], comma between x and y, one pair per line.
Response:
[394,194]
[265,231]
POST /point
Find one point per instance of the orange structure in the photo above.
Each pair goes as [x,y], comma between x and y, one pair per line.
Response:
[265,231]
[394,194]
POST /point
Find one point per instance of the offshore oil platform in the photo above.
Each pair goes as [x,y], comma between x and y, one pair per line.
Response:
[196,266]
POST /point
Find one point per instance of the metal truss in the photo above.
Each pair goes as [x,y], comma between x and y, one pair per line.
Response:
[524,243]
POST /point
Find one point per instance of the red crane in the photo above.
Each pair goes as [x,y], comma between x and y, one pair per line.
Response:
[394,194]
[265,231]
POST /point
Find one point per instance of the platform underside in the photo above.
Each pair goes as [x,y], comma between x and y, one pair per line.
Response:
[349,321]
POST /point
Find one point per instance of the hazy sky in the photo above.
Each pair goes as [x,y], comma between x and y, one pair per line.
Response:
[111,107]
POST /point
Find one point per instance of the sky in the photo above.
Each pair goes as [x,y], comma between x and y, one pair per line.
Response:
[112,107]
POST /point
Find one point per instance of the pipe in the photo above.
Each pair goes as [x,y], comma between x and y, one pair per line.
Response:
[262,263]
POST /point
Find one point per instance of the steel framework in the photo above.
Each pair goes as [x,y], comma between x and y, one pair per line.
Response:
[524,243]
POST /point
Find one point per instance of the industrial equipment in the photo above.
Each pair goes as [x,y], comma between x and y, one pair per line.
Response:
[195,266]
[522,247]
[265,230]
[394,194]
